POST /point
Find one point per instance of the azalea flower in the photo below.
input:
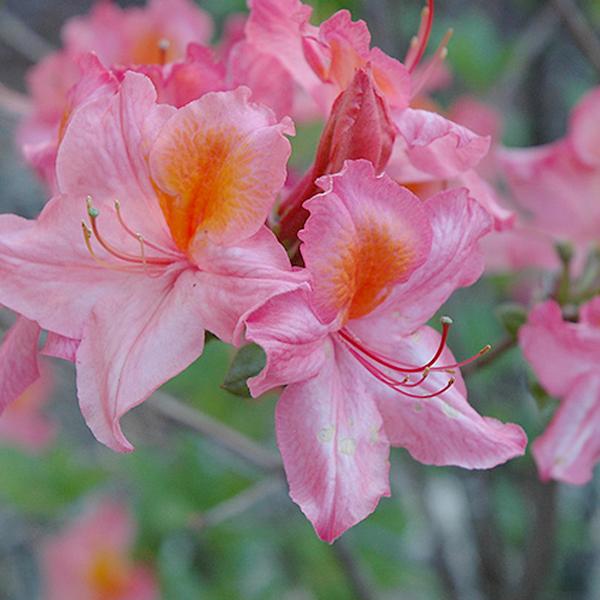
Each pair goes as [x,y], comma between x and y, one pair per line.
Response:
[91,558]
[557,187]
[170,242]
[565,358]
[362,369]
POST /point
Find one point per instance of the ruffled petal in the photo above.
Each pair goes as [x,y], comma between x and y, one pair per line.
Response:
[438,146]
[455,261]
[570,447]
[334,450]
[365,235]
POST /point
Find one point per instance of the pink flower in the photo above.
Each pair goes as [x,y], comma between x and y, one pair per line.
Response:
[558,185]
[23,423]
[565,358]
[362,370]
[172,241]
[157,34]
[91,558]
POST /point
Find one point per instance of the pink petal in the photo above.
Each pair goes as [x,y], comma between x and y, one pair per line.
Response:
[235,280]
[365,234]
[570,447]
[108,140]
[443,430]
[248,65]
[18,360]
[133,343]
[334,451]
[293,339]
[438,146]
[559,352]
[59,346]
[277,27]
[455,261]
[217,165]
[584,131]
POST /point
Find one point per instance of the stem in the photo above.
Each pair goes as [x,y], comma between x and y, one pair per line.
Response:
[357,578]
[218,432]
[487,359]
[16,34]
[236,505]
[583,35]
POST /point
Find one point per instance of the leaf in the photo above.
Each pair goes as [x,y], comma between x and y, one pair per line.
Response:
[248,362]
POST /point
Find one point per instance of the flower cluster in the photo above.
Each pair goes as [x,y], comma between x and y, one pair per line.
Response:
[173,214]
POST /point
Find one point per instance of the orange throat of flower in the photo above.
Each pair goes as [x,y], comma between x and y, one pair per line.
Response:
[108,575]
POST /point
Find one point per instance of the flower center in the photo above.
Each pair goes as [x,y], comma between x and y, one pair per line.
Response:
[387,370]
[108,575]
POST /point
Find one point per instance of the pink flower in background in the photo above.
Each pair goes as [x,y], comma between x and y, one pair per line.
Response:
[154,35]
[172,241]
[91,559]
[565,357]
[362,369]
[558,185]
[23,423]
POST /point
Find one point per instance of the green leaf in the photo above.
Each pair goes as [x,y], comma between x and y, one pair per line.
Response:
[248,362]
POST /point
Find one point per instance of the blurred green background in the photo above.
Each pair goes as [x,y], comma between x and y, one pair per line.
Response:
[216,526]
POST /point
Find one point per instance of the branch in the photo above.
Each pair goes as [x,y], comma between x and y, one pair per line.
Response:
[14,103]
[357,578]
[16,34]
[583,35]
[236,505]
[218,432]
[529,45]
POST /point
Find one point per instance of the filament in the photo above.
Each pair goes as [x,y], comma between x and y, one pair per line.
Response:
[419,43]
[436,60]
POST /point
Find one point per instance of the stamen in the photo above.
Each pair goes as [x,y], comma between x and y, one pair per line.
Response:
[135,235]
[462,363]
[436,60]
[446,324]
[416,50]
[87,236]
[398,386]
[163,47]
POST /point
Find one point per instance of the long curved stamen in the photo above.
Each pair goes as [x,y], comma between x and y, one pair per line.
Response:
[134,234]
[462,363]
[398,386]
[395,366]
[93,214]
[418,47]
[436,60]
[87,236]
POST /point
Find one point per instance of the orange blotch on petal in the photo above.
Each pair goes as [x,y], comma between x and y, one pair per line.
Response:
[206,179]
[368,267]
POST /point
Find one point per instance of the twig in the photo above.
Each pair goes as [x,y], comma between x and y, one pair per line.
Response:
[542,540]
[529,45]
[232,507]
[358,580]
[16,34]
[487,359]
[583,35]
[218,432]
[14,103]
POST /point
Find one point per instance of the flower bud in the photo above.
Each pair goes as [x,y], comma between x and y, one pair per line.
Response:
[359,126]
